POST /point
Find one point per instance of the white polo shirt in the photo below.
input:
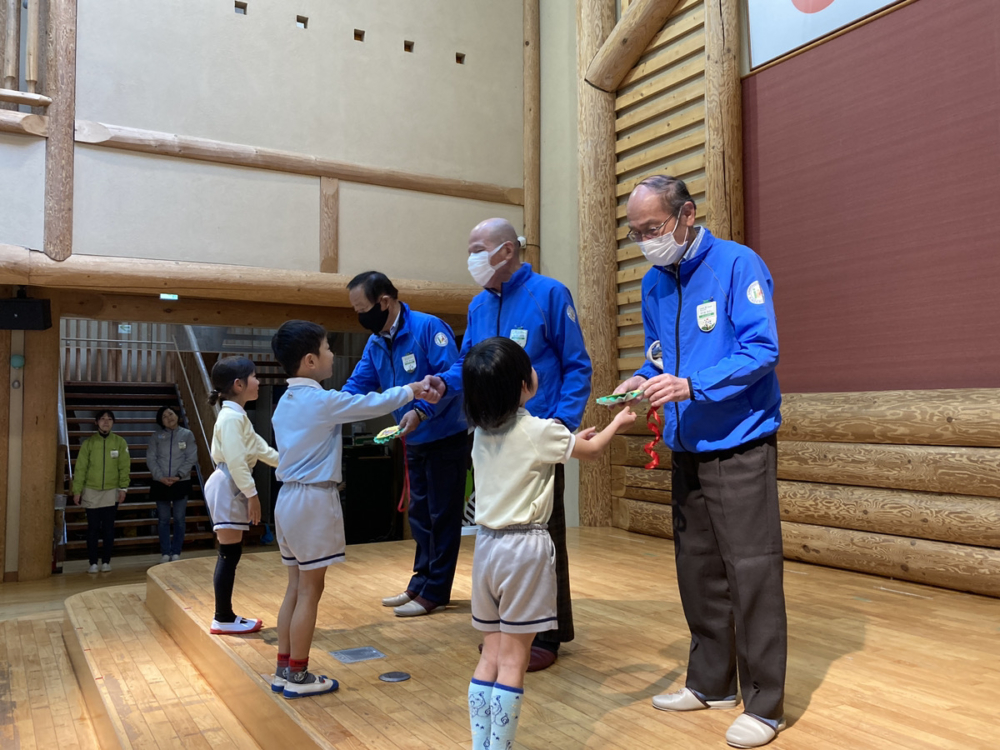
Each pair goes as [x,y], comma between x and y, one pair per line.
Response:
[515,469]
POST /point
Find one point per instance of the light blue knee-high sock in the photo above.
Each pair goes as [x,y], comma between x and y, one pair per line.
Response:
[480,697]
[505,710]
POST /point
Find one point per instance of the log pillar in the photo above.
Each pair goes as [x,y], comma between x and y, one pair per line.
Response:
[532,134]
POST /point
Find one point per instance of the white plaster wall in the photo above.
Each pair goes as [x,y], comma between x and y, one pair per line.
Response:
[560,172]
[195,67]
[410,235]
[142,206]
[22,190]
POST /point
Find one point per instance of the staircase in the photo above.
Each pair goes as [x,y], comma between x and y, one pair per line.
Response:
[135,406]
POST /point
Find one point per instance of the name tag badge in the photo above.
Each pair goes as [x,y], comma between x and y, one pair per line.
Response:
[114,454]
[707,316]
[519,336]
[409,362]
[182,445]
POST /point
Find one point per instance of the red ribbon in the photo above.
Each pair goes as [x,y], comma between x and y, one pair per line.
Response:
[653,423]
[405,497]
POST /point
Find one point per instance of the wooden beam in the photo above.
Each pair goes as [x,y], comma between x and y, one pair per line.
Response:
[213,281]
[38,457]
[329,225]
[31,68]
[965,416]
[627,41]
[962,471]
[921,515]
[723,120]
[222,152]
[597,261]
[532,134]
[22,97]
[12,44]
[23,123]
[60,146]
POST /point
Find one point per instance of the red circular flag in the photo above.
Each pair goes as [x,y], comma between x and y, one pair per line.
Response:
[812,6]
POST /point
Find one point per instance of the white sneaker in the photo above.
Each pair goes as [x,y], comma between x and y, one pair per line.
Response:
[164,558]
[175,558]
[685,700]
[92,568]
[106,567]
[279,680]
[304,684]
[241,626]
[748,731]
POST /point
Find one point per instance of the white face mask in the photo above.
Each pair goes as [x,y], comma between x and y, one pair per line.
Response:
[479,265]
[664,250]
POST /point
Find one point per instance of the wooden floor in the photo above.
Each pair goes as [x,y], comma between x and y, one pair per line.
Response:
[872,663]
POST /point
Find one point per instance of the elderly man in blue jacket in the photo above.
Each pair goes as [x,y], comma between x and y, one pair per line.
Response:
[712,347]
[406,345]
[538,313]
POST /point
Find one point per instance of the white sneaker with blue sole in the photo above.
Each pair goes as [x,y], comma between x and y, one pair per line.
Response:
[305,684]
[279,679]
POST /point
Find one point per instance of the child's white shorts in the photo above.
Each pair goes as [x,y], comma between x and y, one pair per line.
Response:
[514,580]
[226,504]
[309,525]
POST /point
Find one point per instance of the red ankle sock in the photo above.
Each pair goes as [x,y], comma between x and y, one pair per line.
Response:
[283,660]
[298,665]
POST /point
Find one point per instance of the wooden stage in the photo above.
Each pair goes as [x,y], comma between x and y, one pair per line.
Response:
[872,664]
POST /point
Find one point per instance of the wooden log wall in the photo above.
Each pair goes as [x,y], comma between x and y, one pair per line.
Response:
[902,484]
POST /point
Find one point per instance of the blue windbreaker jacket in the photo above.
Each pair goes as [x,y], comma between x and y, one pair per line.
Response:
[716,327]
[539,314]
[425,345]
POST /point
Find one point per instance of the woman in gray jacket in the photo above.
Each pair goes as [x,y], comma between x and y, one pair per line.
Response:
[170,457]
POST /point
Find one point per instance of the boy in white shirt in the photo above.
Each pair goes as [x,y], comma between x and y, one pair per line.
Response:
[513,572]
[308,520]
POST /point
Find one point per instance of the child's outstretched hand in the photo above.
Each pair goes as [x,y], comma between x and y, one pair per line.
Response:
[623,419]
[586,434]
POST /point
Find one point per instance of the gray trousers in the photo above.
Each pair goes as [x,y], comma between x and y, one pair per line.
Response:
[727,543]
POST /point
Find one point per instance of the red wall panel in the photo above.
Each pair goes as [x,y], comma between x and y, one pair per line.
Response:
[872,167]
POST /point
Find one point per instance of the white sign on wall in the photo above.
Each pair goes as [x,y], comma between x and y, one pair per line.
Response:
[779,26]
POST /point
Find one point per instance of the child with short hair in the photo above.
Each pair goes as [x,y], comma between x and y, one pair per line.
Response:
[513,571]
[308,520]
[230,493]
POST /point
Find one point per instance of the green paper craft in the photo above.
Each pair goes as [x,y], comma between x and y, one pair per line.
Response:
[387,435]
[618,398]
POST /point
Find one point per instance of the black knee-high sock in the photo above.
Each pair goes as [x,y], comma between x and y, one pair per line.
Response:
[225,577]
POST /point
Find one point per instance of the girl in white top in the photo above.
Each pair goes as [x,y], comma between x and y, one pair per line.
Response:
[230,493]
[513,571]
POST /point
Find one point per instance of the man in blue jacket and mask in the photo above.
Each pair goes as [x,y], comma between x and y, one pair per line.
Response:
[538,313]
[712,347]
[406,345]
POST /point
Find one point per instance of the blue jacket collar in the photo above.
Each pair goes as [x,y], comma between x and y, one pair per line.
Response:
[521,275]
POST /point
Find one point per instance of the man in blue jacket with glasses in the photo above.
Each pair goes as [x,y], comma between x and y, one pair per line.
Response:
[538,313]
[406,345]
[712,348]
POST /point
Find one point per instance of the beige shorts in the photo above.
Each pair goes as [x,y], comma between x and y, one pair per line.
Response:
[226,504]
[309,525]
[514,580]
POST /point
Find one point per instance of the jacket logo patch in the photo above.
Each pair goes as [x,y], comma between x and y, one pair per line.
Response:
[754,294]
[409,362]
[440,339]
[571,313]
[707,316]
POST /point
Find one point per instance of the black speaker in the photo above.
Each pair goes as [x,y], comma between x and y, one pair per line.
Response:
[22,314]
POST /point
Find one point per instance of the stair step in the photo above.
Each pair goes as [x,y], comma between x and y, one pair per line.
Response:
[131,541]
[118,420]
[112,397]
[100,404]
[126,522]
[141,688]
[123,433]
[137,505]
[82,385]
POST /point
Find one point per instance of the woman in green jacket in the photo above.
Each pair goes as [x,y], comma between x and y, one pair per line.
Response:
[101,478]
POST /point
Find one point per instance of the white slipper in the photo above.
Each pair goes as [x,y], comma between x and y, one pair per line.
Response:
[748,731]
[685,700]
[396,601]
[241,626]
[279,680]
[310,684]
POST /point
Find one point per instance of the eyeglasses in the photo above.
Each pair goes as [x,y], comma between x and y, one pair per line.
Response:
[648,234]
